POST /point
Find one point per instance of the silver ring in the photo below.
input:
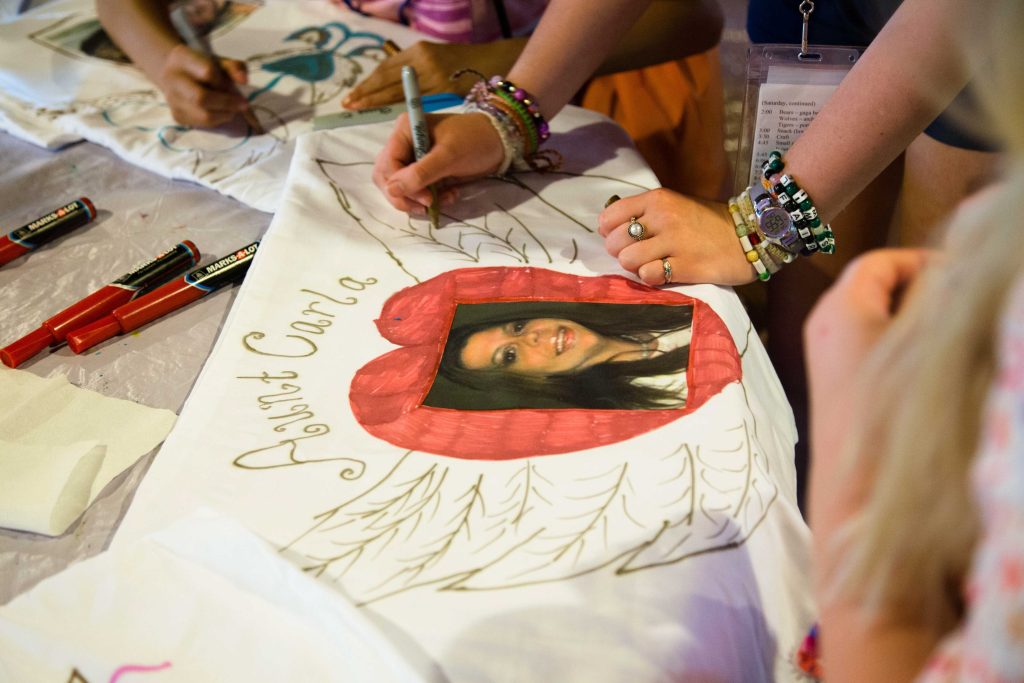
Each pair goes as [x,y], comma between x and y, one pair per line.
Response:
[636,229]
[666,268]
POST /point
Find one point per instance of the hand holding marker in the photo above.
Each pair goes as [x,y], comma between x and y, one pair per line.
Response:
[57,223]
[145,276]
[170,297]
[420,132]
[201,44]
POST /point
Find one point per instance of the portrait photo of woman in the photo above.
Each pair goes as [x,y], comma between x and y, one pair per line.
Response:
[551,354]
[500,363]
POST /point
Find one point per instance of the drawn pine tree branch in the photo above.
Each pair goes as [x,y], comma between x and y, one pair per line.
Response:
[460,523]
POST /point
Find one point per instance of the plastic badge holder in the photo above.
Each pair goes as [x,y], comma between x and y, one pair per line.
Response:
[786,88]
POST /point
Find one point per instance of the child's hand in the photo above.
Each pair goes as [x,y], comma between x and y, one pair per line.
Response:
[465,147]
[201,92]
[434,64]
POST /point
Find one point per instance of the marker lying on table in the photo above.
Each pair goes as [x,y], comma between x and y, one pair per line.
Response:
[42,230]
[420,132]
[145,276]
[201,44]
[386,113]
[161,301]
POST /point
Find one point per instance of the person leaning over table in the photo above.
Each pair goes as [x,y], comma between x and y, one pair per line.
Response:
[476,39]
[896,89]
[916,368]
[902,82]
[901,204]
[201,95]
[661,83]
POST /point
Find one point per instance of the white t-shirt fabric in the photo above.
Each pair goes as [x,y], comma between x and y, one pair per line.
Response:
[678,553]
[303,56]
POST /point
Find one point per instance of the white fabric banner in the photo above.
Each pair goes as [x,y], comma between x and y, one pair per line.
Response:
[203,600]
[338,418]
[63,79]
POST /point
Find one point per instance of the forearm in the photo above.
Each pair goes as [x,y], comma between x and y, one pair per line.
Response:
[667,30]
[141,28]
[855,648]
[909,74]
[571,41]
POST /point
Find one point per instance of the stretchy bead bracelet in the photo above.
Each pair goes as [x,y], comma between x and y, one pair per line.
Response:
[748,241]
[758,238]
[816,236]
[514,114]
[525,102]
[781,194]
[517,110]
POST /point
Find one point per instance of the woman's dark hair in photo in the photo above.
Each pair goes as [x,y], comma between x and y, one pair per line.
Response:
[607,385]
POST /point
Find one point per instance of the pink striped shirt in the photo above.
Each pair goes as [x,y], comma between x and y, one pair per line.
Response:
[455,21]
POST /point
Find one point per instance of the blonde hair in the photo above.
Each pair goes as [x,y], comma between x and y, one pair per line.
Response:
[929,377]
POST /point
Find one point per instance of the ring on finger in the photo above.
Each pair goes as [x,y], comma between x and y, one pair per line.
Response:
[636,229]
[666,269]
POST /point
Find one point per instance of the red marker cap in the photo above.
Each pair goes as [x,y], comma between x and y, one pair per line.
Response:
[101,302]
[92,334]
[20,351]
[10,250]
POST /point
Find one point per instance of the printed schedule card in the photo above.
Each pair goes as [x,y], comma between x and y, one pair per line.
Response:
[784,110]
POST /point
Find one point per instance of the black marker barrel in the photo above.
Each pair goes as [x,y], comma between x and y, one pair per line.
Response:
[44,229]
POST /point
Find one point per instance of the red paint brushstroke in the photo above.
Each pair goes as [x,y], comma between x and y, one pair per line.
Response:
[387,393]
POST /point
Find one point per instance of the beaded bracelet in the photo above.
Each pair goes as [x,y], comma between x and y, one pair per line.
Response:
[517,114]
[783,193]
[770,257]
[748,241]
[514,115]
[524,102]
[516,109]
[816,236]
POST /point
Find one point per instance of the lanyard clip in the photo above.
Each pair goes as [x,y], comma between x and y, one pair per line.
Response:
[806,8]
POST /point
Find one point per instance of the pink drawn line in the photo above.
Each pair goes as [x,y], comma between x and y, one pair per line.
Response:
[130,668]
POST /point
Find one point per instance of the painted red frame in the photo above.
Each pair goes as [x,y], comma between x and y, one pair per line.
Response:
[387,393]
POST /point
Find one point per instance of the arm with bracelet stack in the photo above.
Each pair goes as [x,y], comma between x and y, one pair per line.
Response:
[905,79]
[499,131]
[776,221]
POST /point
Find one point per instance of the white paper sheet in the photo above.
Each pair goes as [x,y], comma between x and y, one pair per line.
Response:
[303,55]
[203,600]
[677,553]
[64,444]
[45,488]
